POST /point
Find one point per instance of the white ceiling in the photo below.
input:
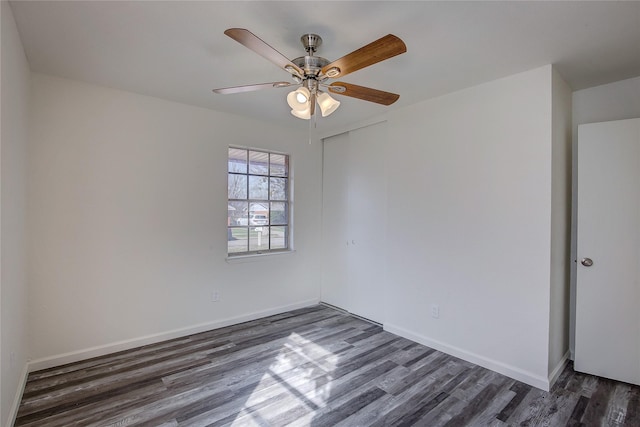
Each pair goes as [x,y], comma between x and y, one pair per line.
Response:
[177,50]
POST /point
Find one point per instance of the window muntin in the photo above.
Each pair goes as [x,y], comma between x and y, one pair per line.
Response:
[258,202]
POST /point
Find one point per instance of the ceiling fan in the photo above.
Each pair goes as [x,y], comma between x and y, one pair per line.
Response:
[311,72]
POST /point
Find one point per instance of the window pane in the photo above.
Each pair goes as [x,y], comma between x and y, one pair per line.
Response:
[258,187]
[259,238]
[237,160]
[237,239]
[279,213]
[237,186]
[279,237]
[259,214]
[279,165]
[258,162]
[238,213]
[278,188]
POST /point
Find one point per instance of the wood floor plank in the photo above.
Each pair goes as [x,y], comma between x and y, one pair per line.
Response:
[528,410]
[476,405]
[46,405]
[489,415]
[616,411]
[453,406]
[633,407]
[520,390]
[165,409]
[99,409]
[412,377]
[346,409]
[560,410]
[422,393]
[578,412]
[315,366]
[84,375]
[595,412]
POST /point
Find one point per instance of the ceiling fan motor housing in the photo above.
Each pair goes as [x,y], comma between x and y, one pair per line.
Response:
[311,65]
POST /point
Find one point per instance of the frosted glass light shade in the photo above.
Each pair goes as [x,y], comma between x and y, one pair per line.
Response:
[327,104]
[298,99]
[303,114]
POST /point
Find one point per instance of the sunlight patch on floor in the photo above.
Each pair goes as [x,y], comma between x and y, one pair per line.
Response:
[300,376]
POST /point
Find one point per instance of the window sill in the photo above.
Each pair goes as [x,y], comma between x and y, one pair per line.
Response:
[238,259]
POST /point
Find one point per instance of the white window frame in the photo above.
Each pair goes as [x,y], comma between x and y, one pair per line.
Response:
[234,227]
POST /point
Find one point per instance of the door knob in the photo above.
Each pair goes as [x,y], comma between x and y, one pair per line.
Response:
[587,262]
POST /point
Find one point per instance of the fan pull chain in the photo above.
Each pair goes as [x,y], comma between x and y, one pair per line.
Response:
[313,124]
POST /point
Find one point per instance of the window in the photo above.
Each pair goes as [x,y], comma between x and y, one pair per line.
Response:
[258,202]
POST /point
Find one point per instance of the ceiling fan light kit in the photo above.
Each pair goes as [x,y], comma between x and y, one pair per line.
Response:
[311,72]
[302,114]
[299,99]
[327,104]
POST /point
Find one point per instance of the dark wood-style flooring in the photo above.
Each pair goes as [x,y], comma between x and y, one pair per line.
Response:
[311,367]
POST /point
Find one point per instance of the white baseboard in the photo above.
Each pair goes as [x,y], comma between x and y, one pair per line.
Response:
[553,376]
[13,411]
[494,365]
[88,353]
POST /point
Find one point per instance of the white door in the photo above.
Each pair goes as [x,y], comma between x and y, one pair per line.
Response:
[608,250]
[354,221]
[334,221]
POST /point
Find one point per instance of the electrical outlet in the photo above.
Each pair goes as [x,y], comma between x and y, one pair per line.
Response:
[215,296]
[435,311]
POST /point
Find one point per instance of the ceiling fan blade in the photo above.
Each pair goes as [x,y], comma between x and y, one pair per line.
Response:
[253,42]
[364,93]
[250,88]
[379,50]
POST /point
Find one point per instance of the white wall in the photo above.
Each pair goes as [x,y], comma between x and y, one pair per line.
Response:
[560,225]
[614,101]
[127,214]
[469,223]
[13,277]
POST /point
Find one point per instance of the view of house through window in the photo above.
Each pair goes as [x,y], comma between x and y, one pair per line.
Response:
[258,202]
